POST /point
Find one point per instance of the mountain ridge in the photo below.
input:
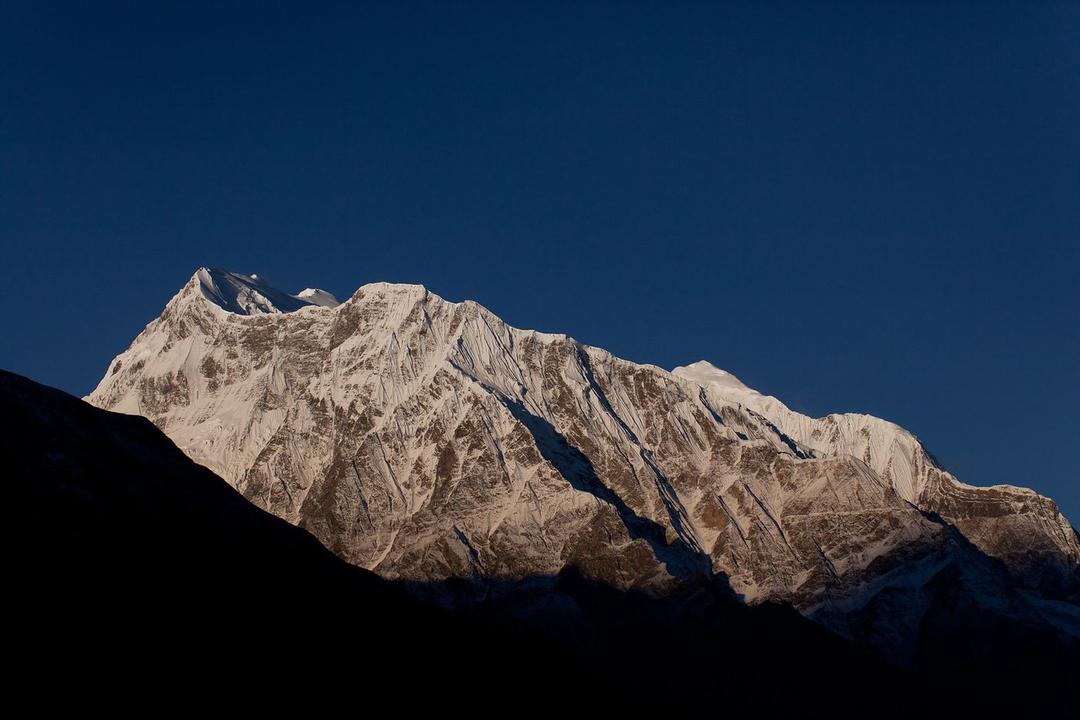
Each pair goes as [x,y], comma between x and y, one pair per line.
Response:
[425,439]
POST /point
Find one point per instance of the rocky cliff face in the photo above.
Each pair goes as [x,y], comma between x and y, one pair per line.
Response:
[424,440]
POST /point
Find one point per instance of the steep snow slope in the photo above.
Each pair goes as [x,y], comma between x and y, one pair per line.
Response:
[426,439]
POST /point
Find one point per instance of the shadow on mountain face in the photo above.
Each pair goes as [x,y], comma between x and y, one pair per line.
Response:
[140,577]
[968,619]
[680,559]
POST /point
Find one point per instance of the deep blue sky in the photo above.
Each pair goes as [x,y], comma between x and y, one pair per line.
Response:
[862,207]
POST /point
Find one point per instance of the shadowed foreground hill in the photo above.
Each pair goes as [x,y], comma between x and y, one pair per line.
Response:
[140,576]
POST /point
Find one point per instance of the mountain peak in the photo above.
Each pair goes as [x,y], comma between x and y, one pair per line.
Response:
[382,287]
[252,294]
[317,296]
[704,372]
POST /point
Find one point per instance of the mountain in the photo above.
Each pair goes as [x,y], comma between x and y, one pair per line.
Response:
[139,577]
[427,440]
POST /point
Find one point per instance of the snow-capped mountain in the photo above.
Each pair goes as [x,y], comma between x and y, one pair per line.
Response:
[425,439]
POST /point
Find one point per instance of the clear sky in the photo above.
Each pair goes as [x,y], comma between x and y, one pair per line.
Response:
[860,207]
